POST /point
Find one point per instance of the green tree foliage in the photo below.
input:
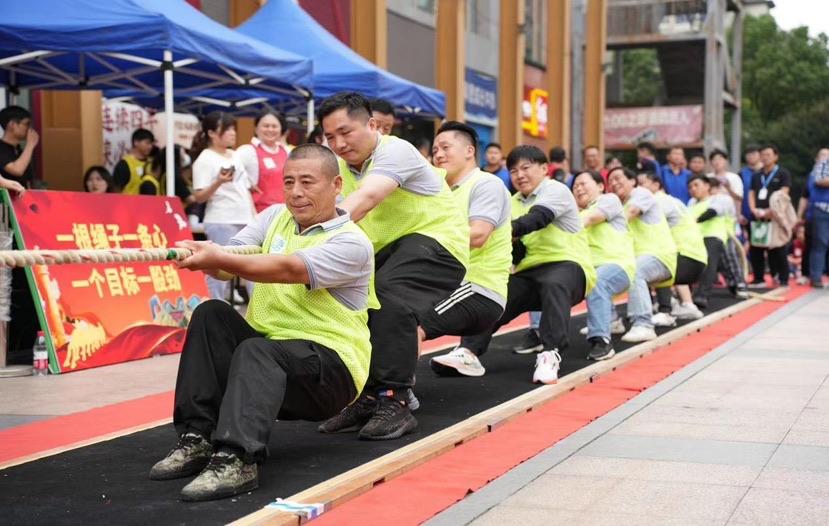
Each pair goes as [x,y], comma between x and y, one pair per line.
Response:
[786,91]
[642,77]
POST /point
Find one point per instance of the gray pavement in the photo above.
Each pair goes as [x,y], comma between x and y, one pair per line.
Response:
[739,437]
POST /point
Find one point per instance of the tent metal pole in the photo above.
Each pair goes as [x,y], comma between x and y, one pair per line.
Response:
[309,127]
[168,125]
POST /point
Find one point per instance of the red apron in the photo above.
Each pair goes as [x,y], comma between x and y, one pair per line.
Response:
[270,177]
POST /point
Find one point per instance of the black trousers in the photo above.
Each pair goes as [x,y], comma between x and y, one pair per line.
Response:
[463,313]
[553,289]
[234,383]
[716,251]
[688,272]
[411,275]
[778,263]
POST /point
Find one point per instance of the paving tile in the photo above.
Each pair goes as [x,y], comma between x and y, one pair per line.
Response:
[796,480]
[770,433]
[563,492]
[681,450]
[801,457]
[767,378]
[712,415]
[807,437]
[770,507]
[657,470]
[529,516]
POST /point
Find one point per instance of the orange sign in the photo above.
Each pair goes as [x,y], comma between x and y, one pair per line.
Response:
[102,313]
[534,110]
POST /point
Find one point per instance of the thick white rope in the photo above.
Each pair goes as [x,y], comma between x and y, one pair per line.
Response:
[27,258]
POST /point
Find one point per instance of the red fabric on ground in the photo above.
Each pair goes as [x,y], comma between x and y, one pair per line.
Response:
[435,485]
[61,431]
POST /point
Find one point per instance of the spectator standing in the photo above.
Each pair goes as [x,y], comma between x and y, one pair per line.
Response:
[770,179]
[383,113]
[135,164]
[98,180]
[818,186]
[16,161]
[559,166]
[696,164]
[646,159]
[675,177]
[753,164]
[264,159]
[729,181]
[220,180]
[494,156]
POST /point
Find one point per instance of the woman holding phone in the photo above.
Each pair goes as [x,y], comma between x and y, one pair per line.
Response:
[220,180]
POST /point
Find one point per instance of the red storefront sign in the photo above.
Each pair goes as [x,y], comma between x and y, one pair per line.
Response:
[534,110]
[663,126]
[97,314]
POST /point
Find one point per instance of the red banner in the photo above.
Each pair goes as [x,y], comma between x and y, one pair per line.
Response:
[663,126]
[102,313]
[534,110]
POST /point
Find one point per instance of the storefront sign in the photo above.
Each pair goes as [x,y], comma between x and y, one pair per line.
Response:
[534,109]
[481,97]
[103,313]
[666,125]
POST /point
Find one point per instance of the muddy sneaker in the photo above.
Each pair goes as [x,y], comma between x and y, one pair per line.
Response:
[225,475]
[189,457]
[393,419]
[530,344]
[352,418]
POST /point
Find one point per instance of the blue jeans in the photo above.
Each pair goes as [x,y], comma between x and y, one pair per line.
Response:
[640,308]
[611,279]
[820,244]
[220,233]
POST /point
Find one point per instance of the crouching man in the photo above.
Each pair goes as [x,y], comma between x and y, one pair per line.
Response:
[303,350]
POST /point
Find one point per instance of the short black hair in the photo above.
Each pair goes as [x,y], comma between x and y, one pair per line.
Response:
[589,147]
[645,145]
[328,161]
[142,134]
[596,176]
[465,130]
[558,154]
[717,152]
[697,155]
[421,141]
[382,106]
[283,122]
[103,173]
[653,177]
[352,102]
[13,114]
[750,148]
[680,148]
[771,147]
[525,152]
[493,145]
[700,177]
[627,172]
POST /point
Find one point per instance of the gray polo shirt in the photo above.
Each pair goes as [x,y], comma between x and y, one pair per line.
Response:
[399,160]
[488,201]
[557,198]
[722,204]
[611,207]
[673,208]
[644,200]
[343,264]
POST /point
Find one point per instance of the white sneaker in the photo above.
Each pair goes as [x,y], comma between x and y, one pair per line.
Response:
[639,333]
[663,319]
[617,326]
[686,311]
[583,331]
[546,367]
[461,360]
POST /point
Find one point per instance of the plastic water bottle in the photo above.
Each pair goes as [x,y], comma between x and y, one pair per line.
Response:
[40,366]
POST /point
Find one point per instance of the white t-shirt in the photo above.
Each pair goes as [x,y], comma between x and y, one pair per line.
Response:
[734,181]
[232,202]
[250,159]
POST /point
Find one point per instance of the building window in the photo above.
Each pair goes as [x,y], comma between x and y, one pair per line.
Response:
[535,29]
[478,17]
[426,5]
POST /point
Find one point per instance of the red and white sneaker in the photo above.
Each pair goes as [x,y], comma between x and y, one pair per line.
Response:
[546,367]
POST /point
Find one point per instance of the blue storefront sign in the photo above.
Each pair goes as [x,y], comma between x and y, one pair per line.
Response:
[481,96]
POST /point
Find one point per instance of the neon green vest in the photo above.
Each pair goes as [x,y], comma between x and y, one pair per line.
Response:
[687,235]
[292,312]
[608,245]
[488,265]
[655,240]
[152,180]
[717,226]
[402,213]
[551,244]
[138,169]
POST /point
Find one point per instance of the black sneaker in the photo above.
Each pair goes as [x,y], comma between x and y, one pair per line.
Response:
[352,418]
[701,302]
[600,349]
[225,475]
[530,344]
[817,285]
[190,456]
[393,419]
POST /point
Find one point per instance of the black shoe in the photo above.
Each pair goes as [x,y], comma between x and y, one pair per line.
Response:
[225,475]
[530,344]
[600,349]
[392,419]
[352,418]
[817,285]
[189,457]
[701,302]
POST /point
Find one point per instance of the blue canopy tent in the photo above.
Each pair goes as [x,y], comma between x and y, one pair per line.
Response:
[336,66]
[138,46]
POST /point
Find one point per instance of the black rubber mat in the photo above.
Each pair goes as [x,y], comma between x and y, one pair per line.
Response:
[107,482]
